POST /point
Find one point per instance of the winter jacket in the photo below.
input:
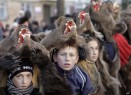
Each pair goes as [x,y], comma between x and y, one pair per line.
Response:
[77,79]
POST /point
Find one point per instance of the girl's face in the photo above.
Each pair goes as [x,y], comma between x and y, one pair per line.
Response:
[22,80]
[93,50]
[67,57]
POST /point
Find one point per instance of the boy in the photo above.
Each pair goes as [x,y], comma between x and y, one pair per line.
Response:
[65,58]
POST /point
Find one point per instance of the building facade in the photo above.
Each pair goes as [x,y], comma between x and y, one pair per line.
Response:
[9,9]
[40,9]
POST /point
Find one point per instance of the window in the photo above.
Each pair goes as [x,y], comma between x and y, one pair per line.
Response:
[3,10]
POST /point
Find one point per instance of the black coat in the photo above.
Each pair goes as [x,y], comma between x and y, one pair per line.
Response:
[3,91]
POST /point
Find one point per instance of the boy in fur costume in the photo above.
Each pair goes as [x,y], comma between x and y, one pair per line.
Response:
[19,76]
[65,59]
[45,74]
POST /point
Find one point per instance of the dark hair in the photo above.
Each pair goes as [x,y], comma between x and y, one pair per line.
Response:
[91,37]
[82,53]
[22,20]
[71,42]
[82,50]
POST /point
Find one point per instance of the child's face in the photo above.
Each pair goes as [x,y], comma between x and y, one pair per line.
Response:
[67,57]
[22,80]
[93,50]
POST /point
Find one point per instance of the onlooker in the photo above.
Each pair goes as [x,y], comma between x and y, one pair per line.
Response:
[43,25]
[7,31]
[52,22]
[35,27]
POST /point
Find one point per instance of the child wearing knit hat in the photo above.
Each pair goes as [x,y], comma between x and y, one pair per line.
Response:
[24,66]
[20,75]
[20,78]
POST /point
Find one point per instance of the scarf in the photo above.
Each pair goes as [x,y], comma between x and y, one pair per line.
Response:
[91,69]
[124,48]
[12,90]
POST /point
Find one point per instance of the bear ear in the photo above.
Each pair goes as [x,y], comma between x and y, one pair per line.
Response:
[121,28]
[59,20]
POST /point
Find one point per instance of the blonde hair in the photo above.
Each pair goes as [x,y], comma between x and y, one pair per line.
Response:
[36,77]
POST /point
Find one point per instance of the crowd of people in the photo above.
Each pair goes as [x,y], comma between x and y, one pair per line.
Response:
[34,25]
[87,54]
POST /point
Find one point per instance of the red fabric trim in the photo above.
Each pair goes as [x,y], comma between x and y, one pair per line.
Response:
[124,48]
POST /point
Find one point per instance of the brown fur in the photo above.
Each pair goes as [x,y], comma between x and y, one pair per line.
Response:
[53,84]
[105,23]
[56,38]
[86,25]
[127,34]
[10,42]
[38,37]
[47,76]
[125,71]
[120,28]
[126,76]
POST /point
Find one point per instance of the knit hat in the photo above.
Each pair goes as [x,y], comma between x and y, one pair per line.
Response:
[24,65]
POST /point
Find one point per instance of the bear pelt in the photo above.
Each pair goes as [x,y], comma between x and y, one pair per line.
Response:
[125,73]
[103,16]
[109,74]
[52,83]
[7,60]
[38,37]
[106,19]
[105,23]
[9,43]
[62,33]
[121,27]
[127,34]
